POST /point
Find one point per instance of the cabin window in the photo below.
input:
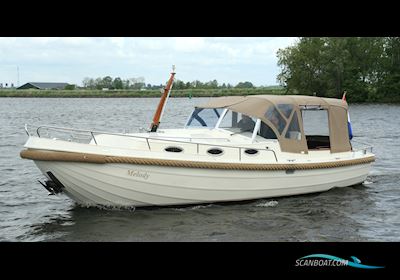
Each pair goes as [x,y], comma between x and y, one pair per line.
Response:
[316,128]
[204,117]
[251,151]
[293,131]
[267,132]
[173,149]
[215,151]
[286,109]
[230,120]
[275,118]
[238,122]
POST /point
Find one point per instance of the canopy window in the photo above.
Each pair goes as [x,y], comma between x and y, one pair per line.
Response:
[237,122]
[316,128]
[204,117]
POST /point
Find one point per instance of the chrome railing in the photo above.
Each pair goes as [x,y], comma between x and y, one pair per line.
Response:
[364,148]
[92,134]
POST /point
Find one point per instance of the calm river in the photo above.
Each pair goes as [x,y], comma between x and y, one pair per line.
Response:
[367,212]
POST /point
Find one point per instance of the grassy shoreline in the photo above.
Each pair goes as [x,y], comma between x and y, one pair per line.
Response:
[156,94]
[134,93]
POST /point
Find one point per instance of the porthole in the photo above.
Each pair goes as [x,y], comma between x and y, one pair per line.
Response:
[215,151]
[173,149]
[251,152]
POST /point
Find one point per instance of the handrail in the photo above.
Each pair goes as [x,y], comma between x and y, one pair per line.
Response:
[364,149]
[189,138]
[94,139]
[93,132]
[126,135]
[26,129]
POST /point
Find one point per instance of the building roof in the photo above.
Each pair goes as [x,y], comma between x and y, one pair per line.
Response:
[40,85]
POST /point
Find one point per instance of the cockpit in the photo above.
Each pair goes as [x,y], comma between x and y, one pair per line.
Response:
[235,122]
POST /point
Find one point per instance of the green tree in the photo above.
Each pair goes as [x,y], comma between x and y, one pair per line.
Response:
[107,82]
[389,79]
[178,84]
[244,85]
[98,83]
[302,66]
[125,84]
[327,66]
[198,84]
[214,84]
[117,83]
[89,83]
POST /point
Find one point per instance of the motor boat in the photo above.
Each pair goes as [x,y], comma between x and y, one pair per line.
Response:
[232,148]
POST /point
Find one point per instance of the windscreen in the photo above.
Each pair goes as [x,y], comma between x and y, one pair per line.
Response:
[204,117]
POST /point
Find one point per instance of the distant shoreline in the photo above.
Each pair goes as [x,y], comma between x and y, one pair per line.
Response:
[133,93]
[185,93]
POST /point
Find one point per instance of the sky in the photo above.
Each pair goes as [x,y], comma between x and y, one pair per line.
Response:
[71,59]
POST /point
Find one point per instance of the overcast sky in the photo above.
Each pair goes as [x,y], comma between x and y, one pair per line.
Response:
[68,59]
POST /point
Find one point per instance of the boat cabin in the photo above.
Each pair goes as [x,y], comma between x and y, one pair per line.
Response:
[299,123]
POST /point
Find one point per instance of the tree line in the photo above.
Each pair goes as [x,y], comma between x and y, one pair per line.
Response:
[368,68]
[114,83]
[139,84]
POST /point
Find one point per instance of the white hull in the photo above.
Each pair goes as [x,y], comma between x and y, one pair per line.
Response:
[148,185]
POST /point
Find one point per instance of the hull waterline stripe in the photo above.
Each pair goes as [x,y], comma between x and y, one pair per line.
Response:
[103,159]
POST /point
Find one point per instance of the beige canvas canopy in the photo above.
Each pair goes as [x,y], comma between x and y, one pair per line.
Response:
[288,109]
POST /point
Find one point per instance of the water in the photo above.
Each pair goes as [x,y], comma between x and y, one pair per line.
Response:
[367,212]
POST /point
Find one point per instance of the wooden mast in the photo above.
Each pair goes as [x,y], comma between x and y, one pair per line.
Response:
[164,98]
